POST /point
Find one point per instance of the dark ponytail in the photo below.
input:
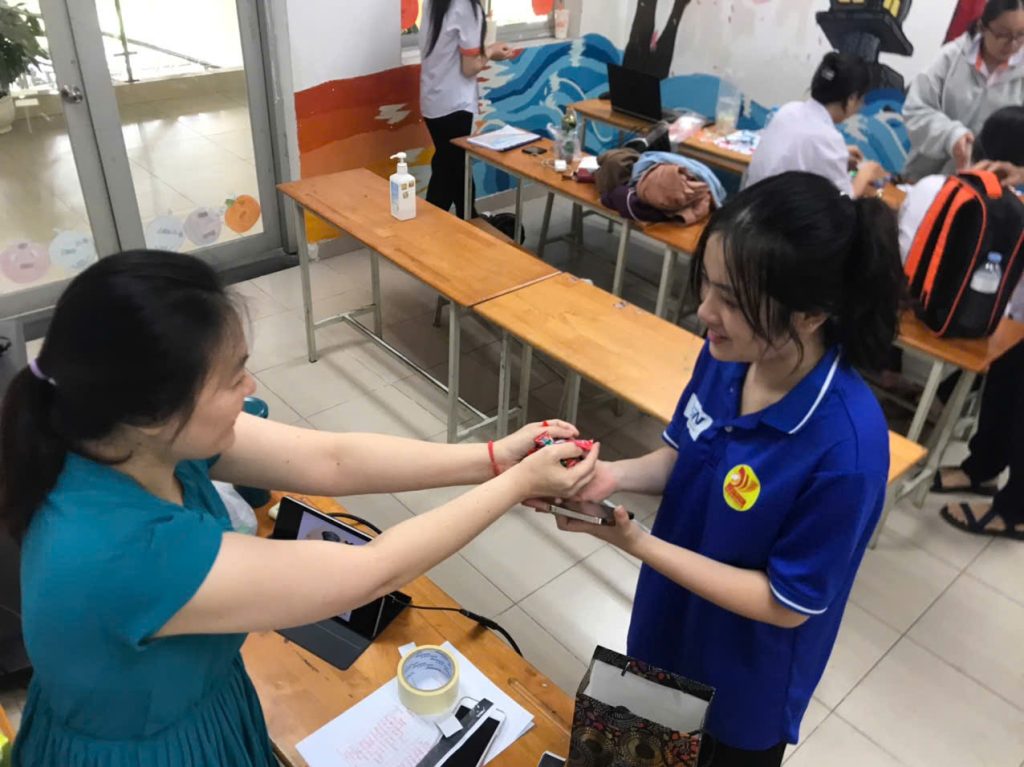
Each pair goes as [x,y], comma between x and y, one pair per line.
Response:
[840,77]
[131,342]
[993,10]
[868,318]
[794,243]
[439,9]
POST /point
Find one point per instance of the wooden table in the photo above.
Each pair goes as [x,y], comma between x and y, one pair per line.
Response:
[301,693]
[620,347]
[460,261]
[700,147]
[972,357]
[677,238]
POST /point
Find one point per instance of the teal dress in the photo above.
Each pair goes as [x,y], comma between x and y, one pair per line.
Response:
[104,565]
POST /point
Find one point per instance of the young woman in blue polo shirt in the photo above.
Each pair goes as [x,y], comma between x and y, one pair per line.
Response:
[774,469]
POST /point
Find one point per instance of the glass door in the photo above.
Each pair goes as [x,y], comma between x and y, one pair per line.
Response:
[174,103]
[49,228]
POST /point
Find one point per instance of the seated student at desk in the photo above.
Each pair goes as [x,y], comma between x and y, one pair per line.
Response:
[774,472]
[802,135]
[136,594]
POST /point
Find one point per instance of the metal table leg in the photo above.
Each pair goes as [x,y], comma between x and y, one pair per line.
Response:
[467,189]
[307,291]
[924,406]
[890,500]
[668,266]
[519,209]
[525,372]
[504,383]
[545,224]
[939,440]
[378,320]
[454,360]
[620,259]
[572,396]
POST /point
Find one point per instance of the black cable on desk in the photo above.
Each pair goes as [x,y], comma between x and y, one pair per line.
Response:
[480,619]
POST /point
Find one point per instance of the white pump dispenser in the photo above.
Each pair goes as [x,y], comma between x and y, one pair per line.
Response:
[403,190]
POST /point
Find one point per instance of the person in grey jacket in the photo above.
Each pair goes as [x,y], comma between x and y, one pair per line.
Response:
[976,74]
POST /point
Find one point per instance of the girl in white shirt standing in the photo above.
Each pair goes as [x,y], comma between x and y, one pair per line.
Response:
[452,53]
[803,135]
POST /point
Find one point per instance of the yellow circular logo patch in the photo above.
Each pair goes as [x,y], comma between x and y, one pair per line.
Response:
[741,487]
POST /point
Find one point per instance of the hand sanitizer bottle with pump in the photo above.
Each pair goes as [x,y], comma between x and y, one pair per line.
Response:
[403,190]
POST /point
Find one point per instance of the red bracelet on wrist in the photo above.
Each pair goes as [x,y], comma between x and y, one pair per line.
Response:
[490,453]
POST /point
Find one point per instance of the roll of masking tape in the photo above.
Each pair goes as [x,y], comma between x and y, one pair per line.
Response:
[428,681]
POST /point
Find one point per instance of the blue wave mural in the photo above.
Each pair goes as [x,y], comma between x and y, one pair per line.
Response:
[533,90]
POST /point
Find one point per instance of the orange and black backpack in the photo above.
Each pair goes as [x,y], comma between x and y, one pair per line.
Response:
[972,216]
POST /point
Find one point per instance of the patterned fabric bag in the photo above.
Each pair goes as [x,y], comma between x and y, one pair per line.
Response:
[631,714]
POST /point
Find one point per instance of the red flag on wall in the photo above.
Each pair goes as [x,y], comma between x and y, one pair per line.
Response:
[967,12]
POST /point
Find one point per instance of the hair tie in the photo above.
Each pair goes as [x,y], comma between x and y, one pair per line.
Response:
[828,74]
[34,367]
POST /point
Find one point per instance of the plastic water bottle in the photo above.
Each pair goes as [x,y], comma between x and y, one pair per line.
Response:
[981,297]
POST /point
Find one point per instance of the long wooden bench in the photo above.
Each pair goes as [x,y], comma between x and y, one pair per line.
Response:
[623,349]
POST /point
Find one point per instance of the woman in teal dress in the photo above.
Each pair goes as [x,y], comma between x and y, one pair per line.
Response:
[136,593]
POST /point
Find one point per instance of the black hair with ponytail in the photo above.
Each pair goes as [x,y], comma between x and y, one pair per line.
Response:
[993,10]
[839,78]
[132,340]
[794,243]
[439,9]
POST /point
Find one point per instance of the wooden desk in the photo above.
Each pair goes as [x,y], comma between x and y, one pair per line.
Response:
[973,357]
[621,348]
[460,261]
[676,237]
[701,147]
[301,693]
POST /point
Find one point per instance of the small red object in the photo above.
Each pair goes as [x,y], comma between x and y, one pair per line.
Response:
[545,439]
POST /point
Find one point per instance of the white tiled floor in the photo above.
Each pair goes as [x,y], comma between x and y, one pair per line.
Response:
[928,668]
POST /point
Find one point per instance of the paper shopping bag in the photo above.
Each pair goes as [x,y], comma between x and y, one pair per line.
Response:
[629,713]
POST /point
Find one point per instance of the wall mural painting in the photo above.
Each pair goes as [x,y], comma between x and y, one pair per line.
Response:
[964,15]
[360,122]
[867,28]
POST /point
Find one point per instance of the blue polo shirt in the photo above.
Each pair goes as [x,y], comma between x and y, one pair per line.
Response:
[794,491]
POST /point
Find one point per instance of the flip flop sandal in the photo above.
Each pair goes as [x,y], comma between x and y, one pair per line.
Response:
[979,526]
[975,488]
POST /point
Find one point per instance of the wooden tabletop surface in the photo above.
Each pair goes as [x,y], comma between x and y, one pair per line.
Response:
[538,168]
[301,693]
[621,348]
[701,146]
[453,257]
[973,354]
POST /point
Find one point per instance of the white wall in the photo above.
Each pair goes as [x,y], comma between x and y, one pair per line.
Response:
[332,40]
[769,47]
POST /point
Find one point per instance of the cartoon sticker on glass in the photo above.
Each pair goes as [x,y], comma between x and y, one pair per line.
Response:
[165,233]
[242,213]
[24,262]
[72,251]
[203,226]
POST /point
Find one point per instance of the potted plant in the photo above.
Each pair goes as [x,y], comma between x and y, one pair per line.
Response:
[19,49]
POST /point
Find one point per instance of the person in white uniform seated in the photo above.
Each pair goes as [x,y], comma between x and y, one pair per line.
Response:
[803,134]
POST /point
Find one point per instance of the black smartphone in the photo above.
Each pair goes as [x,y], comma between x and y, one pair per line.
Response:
[596,513]
[473,751]
[550,760]
[534,150]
